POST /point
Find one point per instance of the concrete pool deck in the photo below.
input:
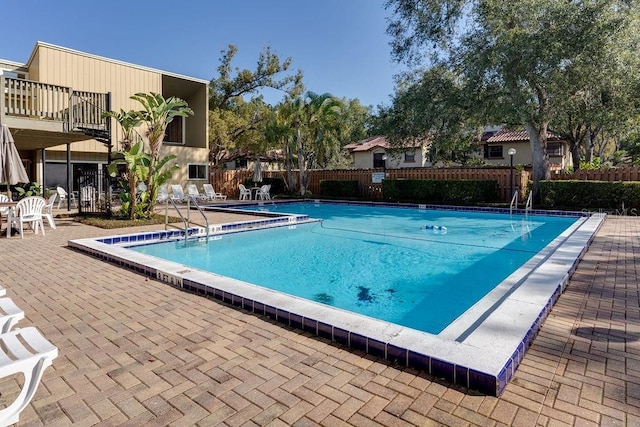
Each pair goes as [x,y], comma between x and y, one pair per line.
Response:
[136,351]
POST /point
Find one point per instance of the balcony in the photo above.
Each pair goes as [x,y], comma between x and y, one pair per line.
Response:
[57,113]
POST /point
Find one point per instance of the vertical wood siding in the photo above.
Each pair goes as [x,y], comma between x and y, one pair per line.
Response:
[226,181]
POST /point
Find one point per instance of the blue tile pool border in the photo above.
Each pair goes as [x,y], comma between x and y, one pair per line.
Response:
[399,347]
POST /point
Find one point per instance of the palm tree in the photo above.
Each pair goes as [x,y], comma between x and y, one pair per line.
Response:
[279,133]
[315,119]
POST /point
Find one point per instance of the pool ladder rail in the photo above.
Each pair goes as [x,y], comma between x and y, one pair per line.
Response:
[191,200]
[514,203]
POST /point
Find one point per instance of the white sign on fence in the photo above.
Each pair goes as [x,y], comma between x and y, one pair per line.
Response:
[377,177]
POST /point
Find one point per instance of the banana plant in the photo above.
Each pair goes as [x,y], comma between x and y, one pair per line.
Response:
[136,162]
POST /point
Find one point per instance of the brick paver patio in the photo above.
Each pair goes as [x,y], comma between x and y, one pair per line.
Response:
[134,351]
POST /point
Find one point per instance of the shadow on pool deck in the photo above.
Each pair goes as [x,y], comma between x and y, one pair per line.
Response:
[135,351]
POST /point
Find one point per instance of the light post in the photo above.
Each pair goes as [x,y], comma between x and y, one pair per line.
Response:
[384,166]
[511,153]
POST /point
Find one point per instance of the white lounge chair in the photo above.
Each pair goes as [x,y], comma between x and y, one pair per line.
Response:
[193,192]
[10,314]
[245,193]
[64,196]
[177,193]
[47,211]
[163,194]
[31,360]
[29,210]
[211,194]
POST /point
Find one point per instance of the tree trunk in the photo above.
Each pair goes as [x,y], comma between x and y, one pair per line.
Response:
[288,158]
[540,161]
[589,146]
[133,194]
[575,155]
[302,167]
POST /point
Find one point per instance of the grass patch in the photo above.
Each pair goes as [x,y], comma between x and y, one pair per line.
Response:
[119,222]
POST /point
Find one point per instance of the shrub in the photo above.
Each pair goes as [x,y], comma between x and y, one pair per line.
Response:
[574,194]
[440,191]
[339,188]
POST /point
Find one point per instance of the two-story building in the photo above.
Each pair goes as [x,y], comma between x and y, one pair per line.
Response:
[53,105]
[375,152]
[497,144]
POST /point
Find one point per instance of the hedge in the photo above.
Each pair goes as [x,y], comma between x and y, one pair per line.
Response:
[339,188]
[440,191]
[574,194]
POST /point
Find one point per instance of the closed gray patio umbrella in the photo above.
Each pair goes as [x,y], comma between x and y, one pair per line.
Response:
[11,168]
[257,171]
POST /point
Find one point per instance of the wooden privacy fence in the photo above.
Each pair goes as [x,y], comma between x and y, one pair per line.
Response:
[226,181]
[630,173]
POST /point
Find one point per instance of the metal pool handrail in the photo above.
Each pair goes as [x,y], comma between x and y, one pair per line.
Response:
[186,221]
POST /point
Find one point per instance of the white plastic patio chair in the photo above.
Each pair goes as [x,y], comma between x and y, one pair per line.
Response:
[263,192]
[245,193]
[62,193]
[31,360]
[193,192]
[211,193]
[10,314]
[29,210]
[177,193]
[47,211]
[3,199]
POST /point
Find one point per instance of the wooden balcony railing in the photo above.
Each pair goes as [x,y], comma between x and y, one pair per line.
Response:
[75,110]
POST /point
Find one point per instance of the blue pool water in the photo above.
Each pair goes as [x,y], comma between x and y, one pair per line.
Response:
[393,264]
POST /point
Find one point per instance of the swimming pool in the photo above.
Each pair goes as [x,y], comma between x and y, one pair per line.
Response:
[416,268]
[480,349]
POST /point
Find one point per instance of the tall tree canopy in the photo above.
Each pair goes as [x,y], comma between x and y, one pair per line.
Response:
[518,61]
[234,122]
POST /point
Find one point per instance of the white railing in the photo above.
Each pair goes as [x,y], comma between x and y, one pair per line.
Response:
[514,202]
[529,205]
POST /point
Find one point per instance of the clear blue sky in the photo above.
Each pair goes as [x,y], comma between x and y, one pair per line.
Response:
[340,45]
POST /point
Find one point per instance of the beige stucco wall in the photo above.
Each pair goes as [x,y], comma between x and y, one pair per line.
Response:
[524,156]
[364,159]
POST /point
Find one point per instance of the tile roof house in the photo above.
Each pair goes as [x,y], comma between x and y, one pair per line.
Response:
[53,105]
[374,152]
[496,146]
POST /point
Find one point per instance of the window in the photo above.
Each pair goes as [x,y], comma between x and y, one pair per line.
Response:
[175,131]
[378,161]
[554,149]
[410,157]
[493,152]
[197,171]
[241,163]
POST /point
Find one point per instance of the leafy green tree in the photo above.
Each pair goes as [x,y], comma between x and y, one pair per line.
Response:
[313,119]
[236,124]
[238,129]
[431,107]
[280,132]
[513,57]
